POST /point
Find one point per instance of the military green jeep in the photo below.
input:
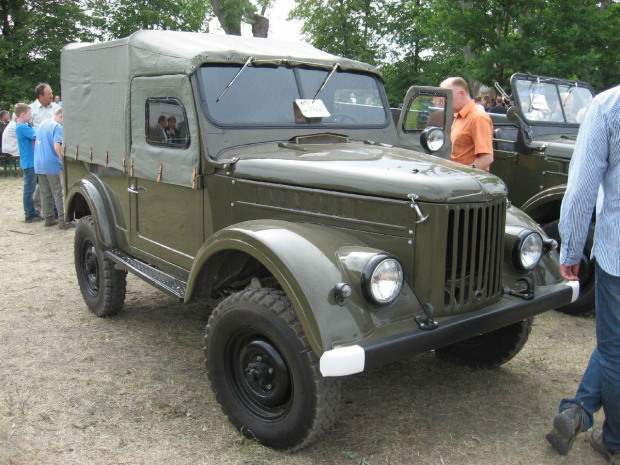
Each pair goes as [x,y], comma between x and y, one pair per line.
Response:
[533,146]
[270,177]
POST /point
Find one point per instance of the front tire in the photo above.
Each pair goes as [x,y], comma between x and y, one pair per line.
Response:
[103,287]
[264,373]
[584,305]
[489,350]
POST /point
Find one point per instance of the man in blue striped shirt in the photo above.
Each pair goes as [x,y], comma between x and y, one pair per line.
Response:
[595,163]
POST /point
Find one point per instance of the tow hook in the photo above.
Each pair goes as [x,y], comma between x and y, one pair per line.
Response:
[527,293]
[428,323]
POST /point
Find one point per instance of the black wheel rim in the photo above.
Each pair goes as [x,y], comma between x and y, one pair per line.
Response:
[259,376]
[90,269]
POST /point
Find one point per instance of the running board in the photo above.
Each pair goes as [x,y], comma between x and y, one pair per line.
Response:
[154,276]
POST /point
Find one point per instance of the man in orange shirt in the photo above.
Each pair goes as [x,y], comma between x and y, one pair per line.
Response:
[472,130]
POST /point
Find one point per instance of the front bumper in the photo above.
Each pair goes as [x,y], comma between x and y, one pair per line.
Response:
[348,360]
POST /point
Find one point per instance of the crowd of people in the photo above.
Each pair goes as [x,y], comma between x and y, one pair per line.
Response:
[34,134]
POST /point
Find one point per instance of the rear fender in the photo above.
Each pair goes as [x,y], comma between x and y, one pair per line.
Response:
[89,189]
[308,261]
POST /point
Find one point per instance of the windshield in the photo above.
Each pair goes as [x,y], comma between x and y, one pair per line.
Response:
[265,96]
[552,101]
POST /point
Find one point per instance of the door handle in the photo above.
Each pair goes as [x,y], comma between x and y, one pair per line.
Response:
[135,189]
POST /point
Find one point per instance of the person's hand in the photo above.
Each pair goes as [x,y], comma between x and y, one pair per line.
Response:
[570,272]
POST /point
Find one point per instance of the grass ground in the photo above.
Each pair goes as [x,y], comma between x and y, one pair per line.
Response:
[132,389]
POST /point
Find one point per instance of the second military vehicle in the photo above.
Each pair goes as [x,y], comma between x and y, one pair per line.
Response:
[533,145]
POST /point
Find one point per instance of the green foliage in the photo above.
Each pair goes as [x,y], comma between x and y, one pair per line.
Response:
[351,28]
[424,41]
[121,18]
[32,34]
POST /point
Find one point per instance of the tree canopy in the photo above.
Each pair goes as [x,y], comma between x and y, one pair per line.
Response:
[413,41]
[424,41]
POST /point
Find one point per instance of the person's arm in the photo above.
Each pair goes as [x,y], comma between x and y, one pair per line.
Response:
[58,141]
[482,135]
[587,166]
[483,161]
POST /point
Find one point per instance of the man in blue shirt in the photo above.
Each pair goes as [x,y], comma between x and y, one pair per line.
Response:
[25,140]
[48,166]
[595,163]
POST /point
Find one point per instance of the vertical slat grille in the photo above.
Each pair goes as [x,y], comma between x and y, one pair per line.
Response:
[474,255]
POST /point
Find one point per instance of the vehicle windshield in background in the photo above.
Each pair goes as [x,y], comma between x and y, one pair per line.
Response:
[552,100]
[266,95]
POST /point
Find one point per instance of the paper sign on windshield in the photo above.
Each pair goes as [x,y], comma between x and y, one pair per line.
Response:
[312,108]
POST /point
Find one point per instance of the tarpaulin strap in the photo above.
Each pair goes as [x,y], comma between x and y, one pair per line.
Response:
[194,178]
[90,155]
[131,171]
[124,164]
[106,158]
[159,174]
[76,151]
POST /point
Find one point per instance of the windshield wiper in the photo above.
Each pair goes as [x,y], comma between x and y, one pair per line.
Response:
[325,81]
[248,61]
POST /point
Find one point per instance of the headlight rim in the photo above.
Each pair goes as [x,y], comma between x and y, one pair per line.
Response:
[367,273]
[427,134]
[517,249]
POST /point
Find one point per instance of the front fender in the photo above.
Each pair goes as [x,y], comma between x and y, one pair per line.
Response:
[90,189]
[308,260]
[553,194]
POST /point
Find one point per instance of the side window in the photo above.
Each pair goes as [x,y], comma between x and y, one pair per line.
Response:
[426,110]
[166,123]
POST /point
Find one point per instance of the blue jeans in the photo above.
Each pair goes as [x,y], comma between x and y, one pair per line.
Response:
[600,385]
[30,184]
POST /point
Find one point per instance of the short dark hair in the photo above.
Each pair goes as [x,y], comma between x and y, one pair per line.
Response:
[40,89]
[3,113]
[161,118]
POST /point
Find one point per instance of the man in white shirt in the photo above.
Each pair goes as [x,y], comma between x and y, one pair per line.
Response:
[43,108]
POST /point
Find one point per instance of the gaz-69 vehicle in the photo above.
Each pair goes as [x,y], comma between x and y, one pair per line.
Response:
[534,144]
[266,175]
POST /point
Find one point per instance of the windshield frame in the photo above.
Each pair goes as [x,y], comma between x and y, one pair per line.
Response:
[541,118]
[296,68]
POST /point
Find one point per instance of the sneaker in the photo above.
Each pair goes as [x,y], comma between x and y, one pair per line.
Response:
[66,225]
[566,425]
[34,219]
[596,441]
[50,221]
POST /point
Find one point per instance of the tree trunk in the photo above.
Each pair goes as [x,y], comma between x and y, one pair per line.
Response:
[260,28]
[230,27]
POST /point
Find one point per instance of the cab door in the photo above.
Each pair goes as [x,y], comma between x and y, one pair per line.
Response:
[166,225]
[425,107]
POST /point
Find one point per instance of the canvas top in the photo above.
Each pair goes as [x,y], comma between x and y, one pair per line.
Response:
[172,52]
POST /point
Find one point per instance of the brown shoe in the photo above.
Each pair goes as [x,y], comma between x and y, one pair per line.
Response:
[66,225]
[566,425]
[50,221]
[596,441]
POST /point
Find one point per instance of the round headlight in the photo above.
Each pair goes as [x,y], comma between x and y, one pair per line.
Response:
[528,250]
[432,139]
[382,279]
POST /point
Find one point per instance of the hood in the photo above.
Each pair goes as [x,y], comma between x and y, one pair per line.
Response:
[556,145]
[365,169]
